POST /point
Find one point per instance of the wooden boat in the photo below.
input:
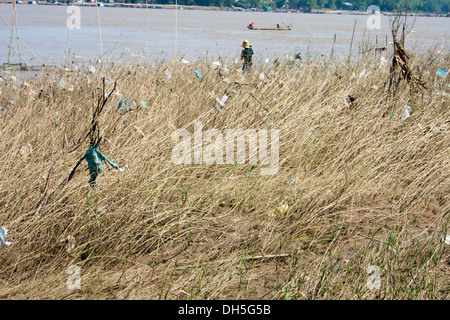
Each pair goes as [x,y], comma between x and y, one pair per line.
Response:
[280,28]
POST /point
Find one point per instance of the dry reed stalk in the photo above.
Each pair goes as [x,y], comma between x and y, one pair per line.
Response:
[358,181]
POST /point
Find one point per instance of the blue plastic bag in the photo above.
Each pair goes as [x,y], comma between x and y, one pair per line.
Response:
[95,159]
[441,73]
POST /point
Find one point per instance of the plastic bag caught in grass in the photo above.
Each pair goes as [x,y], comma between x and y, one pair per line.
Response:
[3,233]
[89,69]
[95,159]
[168,74]
[445,239]
[383,62]
[198,74]
[291,180]
[216,64]
[142,104]
[405,112]
[70,244]
[126,106]
[441,73]
[219,104]
[24,150]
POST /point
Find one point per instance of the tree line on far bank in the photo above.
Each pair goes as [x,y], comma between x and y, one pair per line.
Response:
[431,6]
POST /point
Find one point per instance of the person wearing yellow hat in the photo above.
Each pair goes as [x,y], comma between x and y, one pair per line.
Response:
[246,55]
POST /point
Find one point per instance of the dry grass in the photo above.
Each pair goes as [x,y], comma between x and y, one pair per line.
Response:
[362,186]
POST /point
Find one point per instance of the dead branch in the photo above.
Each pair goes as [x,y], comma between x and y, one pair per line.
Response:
[93,131]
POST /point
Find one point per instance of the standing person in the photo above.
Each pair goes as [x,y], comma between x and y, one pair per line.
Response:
[246,55]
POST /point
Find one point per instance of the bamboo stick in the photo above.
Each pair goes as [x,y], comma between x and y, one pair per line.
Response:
[17,31]
[99,29]
[11,37]
[351,43]
[176,27]
[67,46]
[146,30]
[22,41]
[15,51]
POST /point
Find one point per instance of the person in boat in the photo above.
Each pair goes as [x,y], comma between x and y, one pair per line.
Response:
[250,26]
[246,55]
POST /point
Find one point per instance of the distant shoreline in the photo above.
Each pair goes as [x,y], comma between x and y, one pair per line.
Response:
[184,7]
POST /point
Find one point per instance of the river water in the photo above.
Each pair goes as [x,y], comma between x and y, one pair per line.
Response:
[129,34]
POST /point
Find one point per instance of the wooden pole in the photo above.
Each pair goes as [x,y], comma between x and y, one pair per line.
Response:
[67,46]
[17,32]
[176,27]
[351,43]
[15,51]
[12,30]
[146,30]
[99,29]
[332,48]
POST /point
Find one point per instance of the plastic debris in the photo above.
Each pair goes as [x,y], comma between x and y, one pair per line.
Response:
[198,74]
[441,73]
[445,239]
[266,61]
[61,83]
[3,233]
[95,159]
[291,180]
[362,73]
[261,76]
[383,62]
[126,105]
[168,74]
[70,243]
[392,249]
[216,64]
[24,150]
[405,112]
[184,61]
[436,129]
[220,103]
[142,104]
[90,69]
